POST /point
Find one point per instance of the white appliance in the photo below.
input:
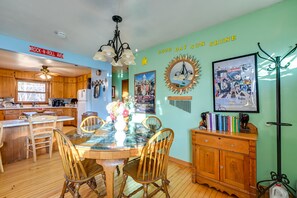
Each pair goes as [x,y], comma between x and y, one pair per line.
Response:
[83,103]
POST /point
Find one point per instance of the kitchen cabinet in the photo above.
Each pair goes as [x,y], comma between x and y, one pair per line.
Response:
[1,115]
[225,161]
[74,114]
[70,87]
[57,90]
[70,112]
[7,86]
[57,87]
[67,112]
[82,81]
[12,114]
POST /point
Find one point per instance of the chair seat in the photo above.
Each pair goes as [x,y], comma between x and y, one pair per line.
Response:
[132,167]
[91,167]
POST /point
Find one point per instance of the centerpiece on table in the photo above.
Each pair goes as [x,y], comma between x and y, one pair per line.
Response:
[120,113]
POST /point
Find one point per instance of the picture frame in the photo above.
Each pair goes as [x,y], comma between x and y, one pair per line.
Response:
[113,91]
[145,92]
[235,84]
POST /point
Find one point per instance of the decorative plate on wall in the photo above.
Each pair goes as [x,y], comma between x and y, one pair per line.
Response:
[182,73]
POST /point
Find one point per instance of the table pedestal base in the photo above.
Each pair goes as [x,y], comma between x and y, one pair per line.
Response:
[109,166]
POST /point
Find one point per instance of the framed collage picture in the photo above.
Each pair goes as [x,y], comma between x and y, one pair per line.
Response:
[145,92]
[235,84]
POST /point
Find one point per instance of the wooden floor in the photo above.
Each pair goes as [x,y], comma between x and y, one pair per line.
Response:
[44,179]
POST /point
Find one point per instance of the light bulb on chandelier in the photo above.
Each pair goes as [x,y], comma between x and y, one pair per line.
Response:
[115,51]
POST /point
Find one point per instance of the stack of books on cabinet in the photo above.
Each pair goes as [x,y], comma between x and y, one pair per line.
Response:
[218,122]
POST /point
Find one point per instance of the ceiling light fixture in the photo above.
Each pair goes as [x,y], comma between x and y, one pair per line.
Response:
[115,51]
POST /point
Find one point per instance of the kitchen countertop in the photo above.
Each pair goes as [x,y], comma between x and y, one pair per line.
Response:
[16,123]
[36,107]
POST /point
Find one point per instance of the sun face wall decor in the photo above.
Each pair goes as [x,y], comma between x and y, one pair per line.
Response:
[182,73]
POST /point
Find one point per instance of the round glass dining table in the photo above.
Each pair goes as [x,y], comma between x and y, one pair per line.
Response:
[103,147]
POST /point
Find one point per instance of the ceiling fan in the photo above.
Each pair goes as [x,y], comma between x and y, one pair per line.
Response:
[45,74]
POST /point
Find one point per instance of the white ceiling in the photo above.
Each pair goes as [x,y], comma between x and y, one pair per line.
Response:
[88,24]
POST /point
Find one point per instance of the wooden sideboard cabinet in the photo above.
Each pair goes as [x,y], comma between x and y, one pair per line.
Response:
[225,161]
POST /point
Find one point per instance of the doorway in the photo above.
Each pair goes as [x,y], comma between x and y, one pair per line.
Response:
[125,89]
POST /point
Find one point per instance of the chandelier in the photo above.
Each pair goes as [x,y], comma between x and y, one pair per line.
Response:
[115,51]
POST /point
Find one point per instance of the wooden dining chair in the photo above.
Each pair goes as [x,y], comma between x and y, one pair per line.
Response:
[1,144]
[40,134]
[77,171]
[91,124]
[153,123]
[151,166]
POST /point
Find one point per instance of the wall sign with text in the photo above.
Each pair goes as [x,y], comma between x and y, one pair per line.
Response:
[47,52]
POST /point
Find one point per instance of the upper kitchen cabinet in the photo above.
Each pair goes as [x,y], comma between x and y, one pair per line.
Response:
[82,81]
[7,83]
[57,87]
[70,87]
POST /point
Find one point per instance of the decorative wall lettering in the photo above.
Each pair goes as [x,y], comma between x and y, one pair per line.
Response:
[222,41]
[197,44]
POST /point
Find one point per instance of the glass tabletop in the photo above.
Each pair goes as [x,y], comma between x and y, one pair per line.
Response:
[104,138]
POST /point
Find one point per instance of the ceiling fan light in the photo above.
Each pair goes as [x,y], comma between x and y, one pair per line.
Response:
[116,63]
[99,56]
[45,77]
[109,51]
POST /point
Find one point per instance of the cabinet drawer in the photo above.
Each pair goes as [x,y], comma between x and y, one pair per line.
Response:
[11,112]
[207,140]
[238,146]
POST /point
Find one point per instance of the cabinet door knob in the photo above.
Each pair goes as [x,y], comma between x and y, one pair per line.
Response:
[221,167]
[206,140]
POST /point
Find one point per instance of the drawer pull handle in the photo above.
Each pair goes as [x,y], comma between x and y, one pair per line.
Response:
[206,140]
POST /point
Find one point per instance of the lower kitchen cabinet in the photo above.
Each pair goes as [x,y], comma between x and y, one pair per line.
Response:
[225,161]
[1,115]
[74,114]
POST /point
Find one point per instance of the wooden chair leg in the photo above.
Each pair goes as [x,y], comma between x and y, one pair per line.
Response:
[27,147]
[164,186]
[145,189]
[123,186]
[51,148]
[76,193]
[1,165]
[34,152]
[63,190]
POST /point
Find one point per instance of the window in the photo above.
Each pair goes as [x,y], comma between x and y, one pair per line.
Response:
[29,91]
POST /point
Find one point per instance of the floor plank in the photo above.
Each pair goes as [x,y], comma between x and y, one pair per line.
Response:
[44,179]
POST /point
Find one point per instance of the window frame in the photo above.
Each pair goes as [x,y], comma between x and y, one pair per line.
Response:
[32,81]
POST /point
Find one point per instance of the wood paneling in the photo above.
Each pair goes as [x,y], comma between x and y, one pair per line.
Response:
[14,143]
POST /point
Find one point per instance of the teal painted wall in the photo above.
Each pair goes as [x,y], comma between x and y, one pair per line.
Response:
[117,78]
[275,27]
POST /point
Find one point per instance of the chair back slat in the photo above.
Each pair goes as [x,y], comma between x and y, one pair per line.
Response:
[49,123]
[71,162]
[154,156]
[91,124]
